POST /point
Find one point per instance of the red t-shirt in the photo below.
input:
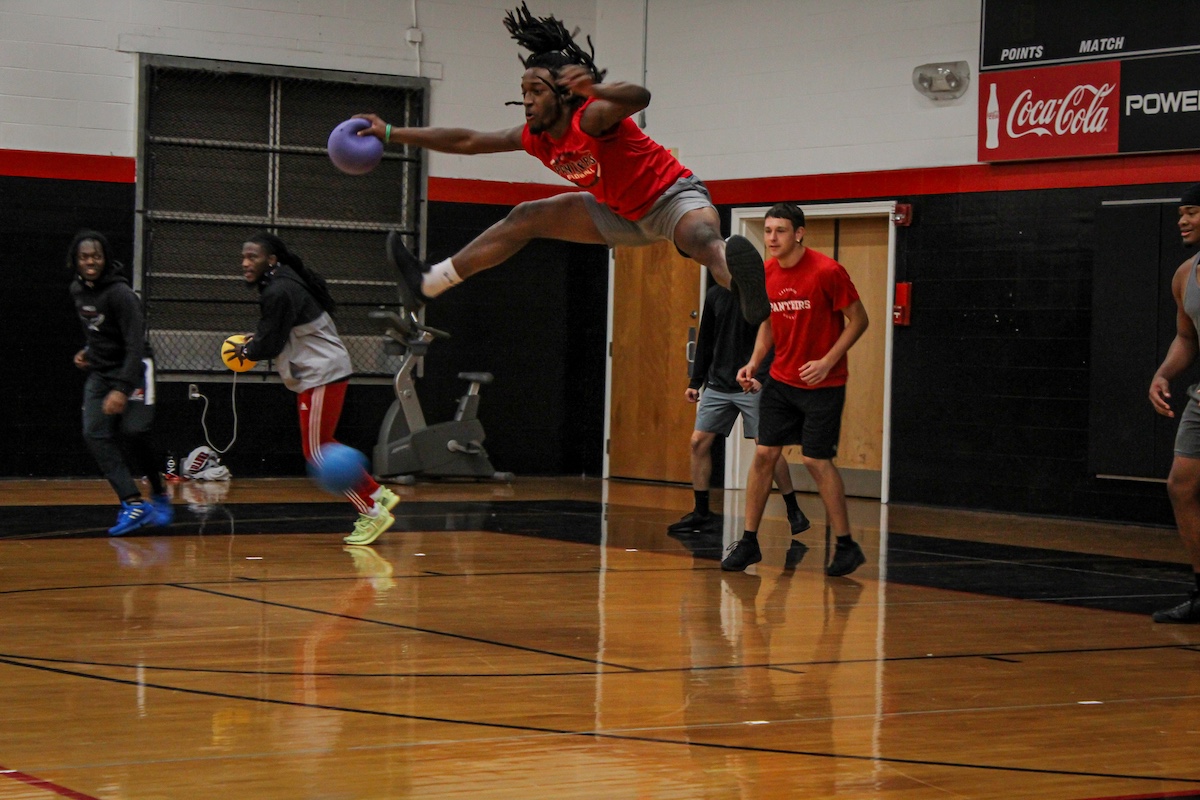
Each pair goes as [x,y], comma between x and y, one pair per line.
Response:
[625,169]
[806,320]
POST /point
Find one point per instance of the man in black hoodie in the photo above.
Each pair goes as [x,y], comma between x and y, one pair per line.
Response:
[118,396]
[724,343]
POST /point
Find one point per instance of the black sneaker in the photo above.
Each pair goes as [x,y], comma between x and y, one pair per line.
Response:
[846,559]
[799,522]
[410,268]
[691,522]
[1187,612]
[795,554]
[749,283]
[742,554]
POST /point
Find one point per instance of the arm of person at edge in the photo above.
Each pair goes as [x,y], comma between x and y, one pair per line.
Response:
[133,331]
[1182,351]
[461,141]
[614,101]
[816,371]
[705,344]
[763,343]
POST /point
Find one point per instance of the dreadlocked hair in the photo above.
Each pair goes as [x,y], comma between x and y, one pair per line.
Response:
[550,44]
[312,279]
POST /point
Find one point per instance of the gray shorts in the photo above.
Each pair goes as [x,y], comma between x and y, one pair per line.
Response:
[1187,438]
[718,410]
[686,194]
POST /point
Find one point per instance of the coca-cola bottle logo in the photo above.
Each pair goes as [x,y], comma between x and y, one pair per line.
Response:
[1082,110]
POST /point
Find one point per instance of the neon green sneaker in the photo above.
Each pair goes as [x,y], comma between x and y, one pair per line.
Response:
[369,528]
[387,498]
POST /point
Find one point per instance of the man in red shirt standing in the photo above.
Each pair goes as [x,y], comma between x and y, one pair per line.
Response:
[636,192]
[816,317]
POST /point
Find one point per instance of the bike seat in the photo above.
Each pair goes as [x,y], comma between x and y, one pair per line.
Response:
[476,377]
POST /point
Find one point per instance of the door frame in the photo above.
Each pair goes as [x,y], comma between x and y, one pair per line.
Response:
[738,450]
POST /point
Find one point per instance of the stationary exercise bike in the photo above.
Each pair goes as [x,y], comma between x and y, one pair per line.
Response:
[408,448]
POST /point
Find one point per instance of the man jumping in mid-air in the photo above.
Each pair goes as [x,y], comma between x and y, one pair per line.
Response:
[637,192]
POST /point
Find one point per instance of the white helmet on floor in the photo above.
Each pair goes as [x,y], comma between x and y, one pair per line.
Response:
[203,464]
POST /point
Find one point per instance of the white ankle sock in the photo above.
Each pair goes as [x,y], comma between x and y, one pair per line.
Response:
[441,276]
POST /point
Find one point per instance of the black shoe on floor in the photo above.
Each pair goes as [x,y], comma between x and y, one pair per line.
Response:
[1187,612]
[795,554]
[799,522]
[690,523]
[742,554]
[410,268]
[749,283]
[846,559]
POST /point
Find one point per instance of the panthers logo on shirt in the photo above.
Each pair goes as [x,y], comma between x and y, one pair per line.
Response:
[789,306]
[92,318]
[580,168]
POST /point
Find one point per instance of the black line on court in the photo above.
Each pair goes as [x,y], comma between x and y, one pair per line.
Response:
[315,579]
[307,673]
[600,735]
[431,631]
[616,671]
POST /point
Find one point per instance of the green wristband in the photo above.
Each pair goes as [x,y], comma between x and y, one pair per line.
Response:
[387,134]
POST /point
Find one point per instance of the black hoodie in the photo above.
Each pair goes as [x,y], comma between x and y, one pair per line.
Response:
[114,327]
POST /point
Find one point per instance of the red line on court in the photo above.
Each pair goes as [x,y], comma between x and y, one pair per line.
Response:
[43,784]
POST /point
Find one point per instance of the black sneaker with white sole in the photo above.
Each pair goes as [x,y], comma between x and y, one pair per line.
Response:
[691,522]
[411,270]
[749,283]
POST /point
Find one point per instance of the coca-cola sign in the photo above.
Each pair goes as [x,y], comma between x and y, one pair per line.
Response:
[1051,112]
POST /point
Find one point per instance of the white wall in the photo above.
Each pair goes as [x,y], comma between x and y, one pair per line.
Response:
[743,88]
[798,87]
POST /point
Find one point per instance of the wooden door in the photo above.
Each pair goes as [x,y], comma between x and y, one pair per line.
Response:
[860,244]
[863,251]
[656,301]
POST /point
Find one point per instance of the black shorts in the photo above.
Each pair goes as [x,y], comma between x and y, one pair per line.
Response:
[811,418]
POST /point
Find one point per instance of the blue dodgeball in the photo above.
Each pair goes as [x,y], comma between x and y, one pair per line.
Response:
[340,468]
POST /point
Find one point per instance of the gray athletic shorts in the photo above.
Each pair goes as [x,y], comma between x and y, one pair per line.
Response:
[1187,438]
[718,410]
[686,194]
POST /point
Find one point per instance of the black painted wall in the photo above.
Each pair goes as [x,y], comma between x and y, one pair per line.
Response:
[537,323]
[39,421]
[991,382]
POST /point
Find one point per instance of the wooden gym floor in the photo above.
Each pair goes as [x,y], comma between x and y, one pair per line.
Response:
[548,639]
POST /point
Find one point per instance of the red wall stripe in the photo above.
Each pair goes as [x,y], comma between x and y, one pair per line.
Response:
[460,190]
[1114,171]
[67,166]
